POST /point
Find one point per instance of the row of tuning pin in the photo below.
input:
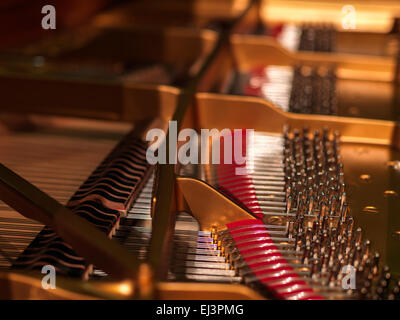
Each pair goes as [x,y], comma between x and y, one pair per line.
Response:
[321,254]
[331,245]
[317,38]
[320,238]
[315,188]
[313,91]
[283,248]
[314,177]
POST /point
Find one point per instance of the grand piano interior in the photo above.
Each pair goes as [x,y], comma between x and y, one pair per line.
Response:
[316,214]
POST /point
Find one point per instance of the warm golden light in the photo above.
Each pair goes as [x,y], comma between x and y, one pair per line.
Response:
[370,210]
[390,194]
[365,178]
[125,288]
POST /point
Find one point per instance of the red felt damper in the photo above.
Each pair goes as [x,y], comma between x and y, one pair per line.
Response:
[251,236]
[267,262]
[256,80]
[237,186]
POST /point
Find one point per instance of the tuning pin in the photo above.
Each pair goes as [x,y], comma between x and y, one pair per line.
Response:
[342,200]
[375,264]
[370,276]
[325,135]
[340,229]
[315,248]
[366,290]
[306,255]
[300,221]
[342,186]
[349,243]
[383,283]
[350,224]
[333,275]
[323,210]
[368,269]
[315,269]
[311,205]
[343,212]
[299,200]
[306,132]
[342,249]
[315,229]
[290,229]
[325,223]
[332,261]
[288,204]
[350,257]
[340,275]
[357,256]
[382,288]
[324,241]
[296,133]
[333,235]
[299,241]
[385,269]
[367,249]
[308,236]
[325,262]
[333,203]
[386,275]
[392,295]
[288,191]
[395,294]
[364,293]
[336,137]
[286,131]
[358,236]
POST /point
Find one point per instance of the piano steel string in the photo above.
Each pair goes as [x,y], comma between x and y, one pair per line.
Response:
[57,163]
[102,199]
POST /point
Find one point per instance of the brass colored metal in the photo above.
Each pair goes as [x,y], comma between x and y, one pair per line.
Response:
[27,286]
[252,51]
[220,111]
[208,206]
[24,286]
[205,291]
